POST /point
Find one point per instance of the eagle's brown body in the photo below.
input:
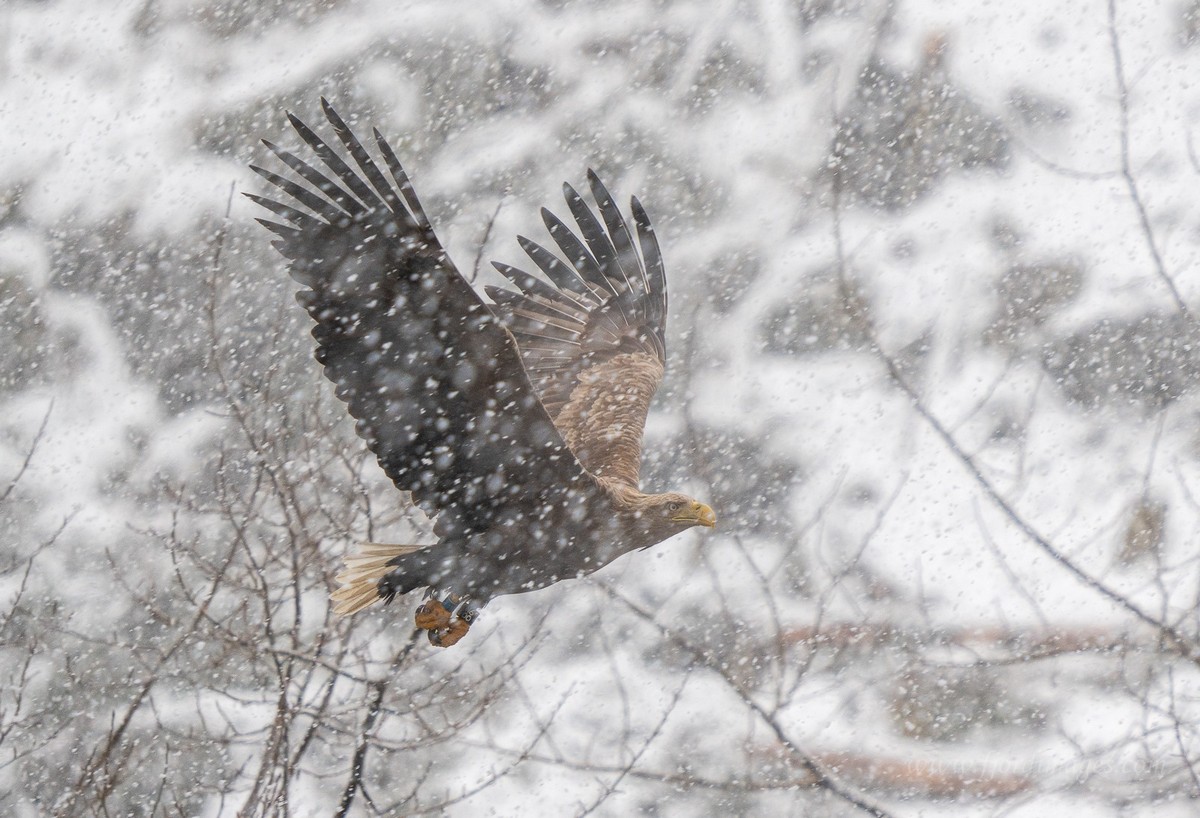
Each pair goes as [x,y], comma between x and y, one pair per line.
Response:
[516,425]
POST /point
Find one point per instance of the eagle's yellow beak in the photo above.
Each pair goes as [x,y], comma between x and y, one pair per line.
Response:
[699,513]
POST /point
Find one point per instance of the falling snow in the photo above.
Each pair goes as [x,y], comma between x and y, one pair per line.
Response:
[932,358]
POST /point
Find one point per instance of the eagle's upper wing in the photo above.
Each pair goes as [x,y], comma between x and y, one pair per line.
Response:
[593,338]
[434,380]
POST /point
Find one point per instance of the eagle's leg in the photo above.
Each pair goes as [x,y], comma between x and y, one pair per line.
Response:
[446,620]
[445,638]
[432,615]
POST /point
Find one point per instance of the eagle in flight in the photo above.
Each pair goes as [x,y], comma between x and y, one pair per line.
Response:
[516,425]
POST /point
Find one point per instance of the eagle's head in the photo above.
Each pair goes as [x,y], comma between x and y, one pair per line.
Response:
[664,515]
[646,519]
[683,511]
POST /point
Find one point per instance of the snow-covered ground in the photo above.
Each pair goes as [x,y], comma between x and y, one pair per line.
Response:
[1000,619]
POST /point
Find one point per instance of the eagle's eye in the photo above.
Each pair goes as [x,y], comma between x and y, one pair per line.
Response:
[673,507]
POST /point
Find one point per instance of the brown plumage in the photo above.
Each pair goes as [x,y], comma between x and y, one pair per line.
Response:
[517,425]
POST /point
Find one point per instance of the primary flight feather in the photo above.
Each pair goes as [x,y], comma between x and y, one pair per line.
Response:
[517,424]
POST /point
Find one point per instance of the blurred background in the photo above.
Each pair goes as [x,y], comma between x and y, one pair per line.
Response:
[932,359]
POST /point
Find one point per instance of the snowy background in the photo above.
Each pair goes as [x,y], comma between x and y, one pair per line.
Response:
[933,360]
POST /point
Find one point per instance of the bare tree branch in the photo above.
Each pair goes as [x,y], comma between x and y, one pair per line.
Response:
[1131,184]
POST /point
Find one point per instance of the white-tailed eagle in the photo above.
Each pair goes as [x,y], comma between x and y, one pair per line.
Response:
[516,425]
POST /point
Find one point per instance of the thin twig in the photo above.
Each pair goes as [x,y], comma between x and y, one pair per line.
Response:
[1179,641]
[627,768]
[1131,185]
[819,777]
[483,242]
[1179,742]
[1183,644]
[37,439]
[377,688]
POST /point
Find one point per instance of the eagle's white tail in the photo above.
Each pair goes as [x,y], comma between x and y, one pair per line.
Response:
[359,579]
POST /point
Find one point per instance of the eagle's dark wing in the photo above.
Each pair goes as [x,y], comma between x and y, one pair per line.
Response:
[593,336]
[434,380]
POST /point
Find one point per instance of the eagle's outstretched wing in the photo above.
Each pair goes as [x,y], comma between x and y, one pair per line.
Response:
[593,338]
[434,380]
